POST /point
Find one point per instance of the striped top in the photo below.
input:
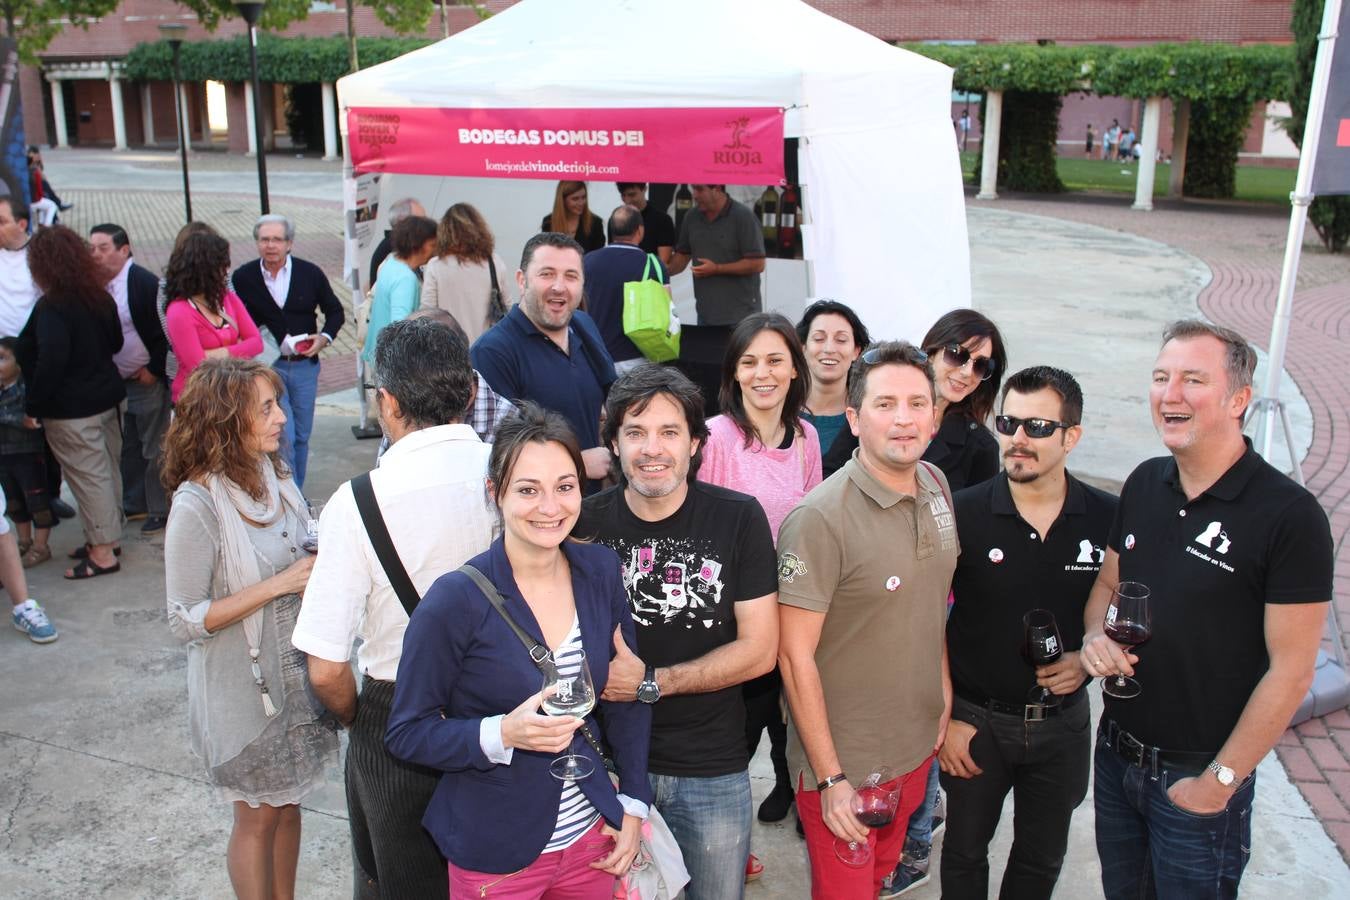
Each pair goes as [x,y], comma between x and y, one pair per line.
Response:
[576,814]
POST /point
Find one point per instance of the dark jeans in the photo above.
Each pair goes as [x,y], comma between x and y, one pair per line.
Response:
[1045,765]
[24,478]
[1149,847]
[763,709]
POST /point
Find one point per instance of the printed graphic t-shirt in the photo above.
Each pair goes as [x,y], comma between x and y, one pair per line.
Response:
[684,575]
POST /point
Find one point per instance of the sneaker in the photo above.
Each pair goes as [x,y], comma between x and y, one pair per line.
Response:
[32,621]
[154,524]
[938,822]
[904,879]
[134,516]
[777,805]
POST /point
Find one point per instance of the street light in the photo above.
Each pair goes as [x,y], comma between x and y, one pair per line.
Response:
[251,12]
[173,33]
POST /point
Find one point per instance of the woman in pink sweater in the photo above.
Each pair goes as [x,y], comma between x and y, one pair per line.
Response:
[204,318]
[761,446]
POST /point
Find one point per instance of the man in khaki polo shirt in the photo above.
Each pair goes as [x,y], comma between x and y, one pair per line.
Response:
[865,566]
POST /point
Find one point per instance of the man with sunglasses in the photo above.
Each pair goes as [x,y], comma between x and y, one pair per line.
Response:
[1238,562]
[1031,537]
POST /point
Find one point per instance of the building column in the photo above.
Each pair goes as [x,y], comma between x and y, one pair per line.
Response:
[119,114]
[147,116]
[185,126]
[248,118]
[330,133]
[59,113]
[993,120]
[1181,134]
[1148,154]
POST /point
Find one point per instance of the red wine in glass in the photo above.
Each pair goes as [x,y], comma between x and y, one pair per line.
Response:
[1041,646]
[875,805]
[1128,624]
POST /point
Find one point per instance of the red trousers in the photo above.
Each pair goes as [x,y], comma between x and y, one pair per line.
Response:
[561,875]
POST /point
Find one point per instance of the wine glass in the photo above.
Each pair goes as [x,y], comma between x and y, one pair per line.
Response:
[1127,623]
[875,806]
[311,540]
[569,691]
[1041,647]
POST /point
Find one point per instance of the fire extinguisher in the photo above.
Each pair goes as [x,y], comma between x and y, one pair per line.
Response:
[787,222]
[684,201]
[767,210]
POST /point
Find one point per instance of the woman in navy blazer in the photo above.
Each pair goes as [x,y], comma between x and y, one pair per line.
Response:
[467,696]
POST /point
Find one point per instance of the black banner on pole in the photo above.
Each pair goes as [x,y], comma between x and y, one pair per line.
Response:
[1331,169]
[13,161]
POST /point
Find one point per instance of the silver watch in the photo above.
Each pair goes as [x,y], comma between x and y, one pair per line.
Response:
[1225,775]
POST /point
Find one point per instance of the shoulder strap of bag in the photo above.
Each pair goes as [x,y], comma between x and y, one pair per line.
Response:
[378,532]
[538,652]
[932,471]
[652,261]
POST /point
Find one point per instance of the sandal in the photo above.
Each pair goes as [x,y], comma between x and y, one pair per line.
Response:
[35,555]
[87,568]
[82,552]
[23,546]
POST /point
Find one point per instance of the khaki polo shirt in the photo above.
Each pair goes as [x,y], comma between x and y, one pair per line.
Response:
[879,566]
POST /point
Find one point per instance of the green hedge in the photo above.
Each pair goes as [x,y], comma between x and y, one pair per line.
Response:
[283,60]
[1027,142]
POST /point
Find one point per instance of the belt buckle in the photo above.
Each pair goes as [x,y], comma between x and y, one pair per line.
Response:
[1131,748]
[1035,712]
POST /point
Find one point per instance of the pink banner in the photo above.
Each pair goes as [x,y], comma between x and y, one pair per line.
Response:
[690,146]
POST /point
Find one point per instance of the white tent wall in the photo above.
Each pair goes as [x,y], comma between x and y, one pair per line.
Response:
[884,223]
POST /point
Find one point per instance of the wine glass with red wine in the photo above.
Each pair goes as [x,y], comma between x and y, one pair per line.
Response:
[1041,646]
[875,803]
[1128,624]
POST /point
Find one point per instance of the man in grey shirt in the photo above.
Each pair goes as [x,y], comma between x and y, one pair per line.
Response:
[726,244]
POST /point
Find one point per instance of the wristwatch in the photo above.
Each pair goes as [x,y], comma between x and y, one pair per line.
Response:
[1225,775]
[648,691]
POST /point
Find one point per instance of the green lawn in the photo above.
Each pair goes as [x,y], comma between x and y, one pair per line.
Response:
[1254,183]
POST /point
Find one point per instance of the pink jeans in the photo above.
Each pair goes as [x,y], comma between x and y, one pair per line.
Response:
[561,875]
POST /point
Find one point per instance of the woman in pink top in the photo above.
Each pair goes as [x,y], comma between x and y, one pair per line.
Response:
[762,446]
[204,318]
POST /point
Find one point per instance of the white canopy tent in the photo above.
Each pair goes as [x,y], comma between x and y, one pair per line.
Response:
[884,225]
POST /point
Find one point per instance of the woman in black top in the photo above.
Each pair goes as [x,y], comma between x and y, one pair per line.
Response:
[66,354]
[968,358]
[573,217]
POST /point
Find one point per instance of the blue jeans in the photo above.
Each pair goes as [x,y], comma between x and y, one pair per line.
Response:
[1149,847]
[302,386]
[919,834]
[710,819]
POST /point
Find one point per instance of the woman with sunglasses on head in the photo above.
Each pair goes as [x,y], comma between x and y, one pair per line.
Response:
[832,337]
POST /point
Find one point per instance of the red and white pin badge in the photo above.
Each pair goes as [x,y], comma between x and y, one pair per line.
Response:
[996,556]
[1129,542]
[893,583]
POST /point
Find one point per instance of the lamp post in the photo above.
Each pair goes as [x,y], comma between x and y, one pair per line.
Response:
[251,12]
[173,33]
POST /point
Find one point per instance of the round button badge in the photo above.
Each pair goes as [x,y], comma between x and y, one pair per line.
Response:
[893,583]
[1129,542]
[996,556]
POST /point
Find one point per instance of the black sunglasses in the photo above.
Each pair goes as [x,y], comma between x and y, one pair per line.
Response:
[957,356]
[1035,428]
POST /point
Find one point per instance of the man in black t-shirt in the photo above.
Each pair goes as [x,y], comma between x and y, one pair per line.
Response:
[658,230]
[702,581]
[1032,537]
[1237,560]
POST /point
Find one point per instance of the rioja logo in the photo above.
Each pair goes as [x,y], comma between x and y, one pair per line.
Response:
[738,152]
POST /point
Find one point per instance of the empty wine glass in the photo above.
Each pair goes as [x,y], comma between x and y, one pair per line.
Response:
[311,540]
[1041,646]
[1128,624]
[875,805]
[569,691]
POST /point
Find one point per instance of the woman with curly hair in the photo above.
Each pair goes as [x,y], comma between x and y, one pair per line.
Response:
[204,318]
[66,354]
[465,272]
[234,572]
[573,217]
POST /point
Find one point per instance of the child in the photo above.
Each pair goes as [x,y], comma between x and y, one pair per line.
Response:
[23,465]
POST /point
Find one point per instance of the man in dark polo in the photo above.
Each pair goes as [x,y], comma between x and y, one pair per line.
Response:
[1238,562]
[1031,537]
[726,244]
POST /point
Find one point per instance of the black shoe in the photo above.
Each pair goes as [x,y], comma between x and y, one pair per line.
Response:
[134,516]
[801,830]
[776,806]
[65,206]
[62,509]
[365,434]
[154,524]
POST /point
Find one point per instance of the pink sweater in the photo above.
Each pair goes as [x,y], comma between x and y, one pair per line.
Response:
[778,479]
[191,335]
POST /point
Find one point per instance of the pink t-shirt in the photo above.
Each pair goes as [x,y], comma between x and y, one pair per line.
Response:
[191,335]
[778,479]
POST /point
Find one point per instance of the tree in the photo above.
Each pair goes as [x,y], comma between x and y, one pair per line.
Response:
[404,16]
[277,14]
[1330,216]
[33,24]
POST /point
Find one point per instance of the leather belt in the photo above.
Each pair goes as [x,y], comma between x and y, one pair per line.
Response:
[298,358]
[1137,753]
[1027,712]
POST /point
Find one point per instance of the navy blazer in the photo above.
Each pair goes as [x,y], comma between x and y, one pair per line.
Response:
[142,301]
[462,663]
[309,292]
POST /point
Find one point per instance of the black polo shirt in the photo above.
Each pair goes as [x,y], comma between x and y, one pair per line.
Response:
[1211,565]
[1006,570]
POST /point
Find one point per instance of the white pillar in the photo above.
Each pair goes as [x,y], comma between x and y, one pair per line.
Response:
[59,114]
[993,121]
[1148,154]
[147,116]
[185,126]
[329,121]
[248,117]
[119,115]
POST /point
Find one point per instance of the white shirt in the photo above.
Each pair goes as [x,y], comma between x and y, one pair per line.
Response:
[133,355]
[280,285]
[430,486]
[18,294]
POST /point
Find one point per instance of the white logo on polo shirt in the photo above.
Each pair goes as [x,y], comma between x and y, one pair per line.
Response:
[1212,532]
[1089,552]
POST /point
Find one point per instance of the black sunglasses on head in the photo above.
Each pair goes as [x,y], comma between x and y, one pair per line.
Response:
[1035,428]
[957,356]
